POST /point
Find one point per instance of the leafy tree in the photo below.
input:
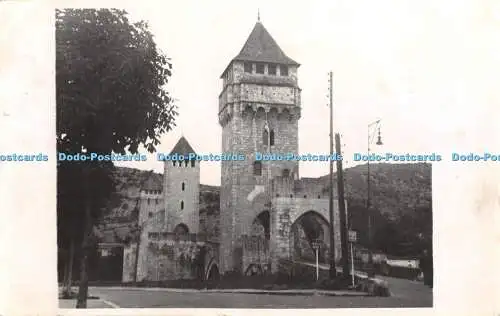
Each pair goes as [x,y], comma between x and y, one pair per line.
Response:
[111,98]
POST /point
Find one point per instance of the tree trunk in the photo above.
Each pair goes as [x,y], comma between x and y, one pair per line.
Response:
[69,269]
[65,277]
[84,278]
[138,243]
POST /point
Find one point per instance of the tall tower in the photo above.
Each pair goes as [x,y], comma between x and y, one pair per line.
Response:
[259,109]
[182,190]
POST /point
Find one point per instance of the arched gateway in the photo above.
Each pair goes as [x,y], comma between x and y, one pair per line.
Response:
[307,229]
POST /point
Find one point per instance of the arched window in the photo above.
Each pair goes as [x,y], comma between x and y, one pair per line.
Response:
[182,205]
[183,186]
[257,168]
[286,172]
[265,137]
[271,138]
[181,229]
[193,163]
[173,163]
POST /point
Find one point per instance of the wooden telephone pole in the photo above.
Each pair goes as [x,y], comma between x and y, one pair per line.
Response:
[333,271]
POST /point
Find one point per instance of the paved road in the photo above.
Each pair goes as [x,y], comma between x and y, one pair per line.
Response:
[414,291]
[167,298]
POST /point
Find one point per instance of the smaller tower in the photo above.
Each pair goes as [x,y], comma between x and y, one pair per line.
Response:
[150,207]
[151,198]
[182,189]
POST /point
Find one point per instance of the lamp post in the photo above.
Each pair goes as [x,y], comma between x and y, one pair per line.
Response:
[372,127]
[332,270]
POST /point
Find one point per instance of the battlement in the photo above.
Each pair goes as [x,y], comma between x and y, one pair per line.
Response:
[151,194]
[310,188]
[282,186]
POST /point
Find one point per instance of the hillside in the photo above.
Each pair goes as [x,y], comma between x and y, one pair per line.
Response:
[400,196]
[395,189]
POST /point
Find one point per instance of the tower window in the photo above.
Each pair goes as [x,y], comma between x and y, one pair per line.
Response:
[182,205]
[149,201]
[150,214]
[284,70]
[271,138]
[174,162]
[248,67]
[183,186]
[265,137]
[257,168]
[286,172]
[193,163]
[259,68]
[271,69]
[186,163]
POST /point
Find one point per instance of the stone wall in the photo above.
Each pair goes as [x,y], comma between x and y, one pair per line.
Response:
[285,213]
[182,195]
[244,134]
[150,203]
[129,263]
[171,260]
[255,252]
[166,256]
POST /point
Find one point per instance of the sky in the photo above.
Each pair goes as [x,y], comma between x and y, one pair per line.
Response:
[403,62]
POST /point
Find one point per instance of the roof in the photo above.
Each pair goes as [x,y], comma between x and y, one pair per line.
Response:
[261,47]
[182,147]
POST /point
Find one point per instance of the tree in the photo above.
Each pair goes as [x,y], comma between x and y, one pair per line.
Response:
[111,98]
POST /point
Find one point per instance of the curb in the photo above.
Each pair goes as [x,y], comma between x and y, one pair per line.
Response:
[375,287]
[249,291]
[291,292]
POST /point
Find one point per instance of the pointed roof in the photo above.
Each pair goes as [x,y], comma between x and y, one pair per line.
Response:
[182,147]
[261,47]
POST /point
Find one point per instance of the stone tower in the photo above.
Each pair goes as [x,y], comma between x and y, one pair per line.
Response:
[182,190]
[259,108]
[151,198]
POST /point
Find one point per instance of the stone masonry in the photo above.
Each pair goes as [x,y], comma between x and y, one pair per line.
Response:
[263,204]
[169,208]
[259,109]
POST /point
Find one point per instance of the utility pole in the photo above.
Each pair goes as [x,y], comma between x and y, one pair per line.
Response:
[342,210]
[333,271]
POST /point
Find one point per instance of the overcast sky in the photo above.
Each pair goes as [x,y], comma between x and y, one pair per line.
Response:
[401,61]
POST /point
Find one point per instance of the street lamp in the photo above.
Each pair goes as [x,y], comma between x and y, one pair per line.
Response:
[372,128]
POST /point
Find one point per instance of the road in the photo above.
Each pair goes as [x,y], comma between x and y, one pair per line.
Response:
[405,294]
[405,289]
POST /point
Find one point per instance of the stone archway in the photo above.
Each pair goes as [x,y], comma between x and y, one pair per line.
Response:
[261,225]
[308,227]
[181,229]
[212,275]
